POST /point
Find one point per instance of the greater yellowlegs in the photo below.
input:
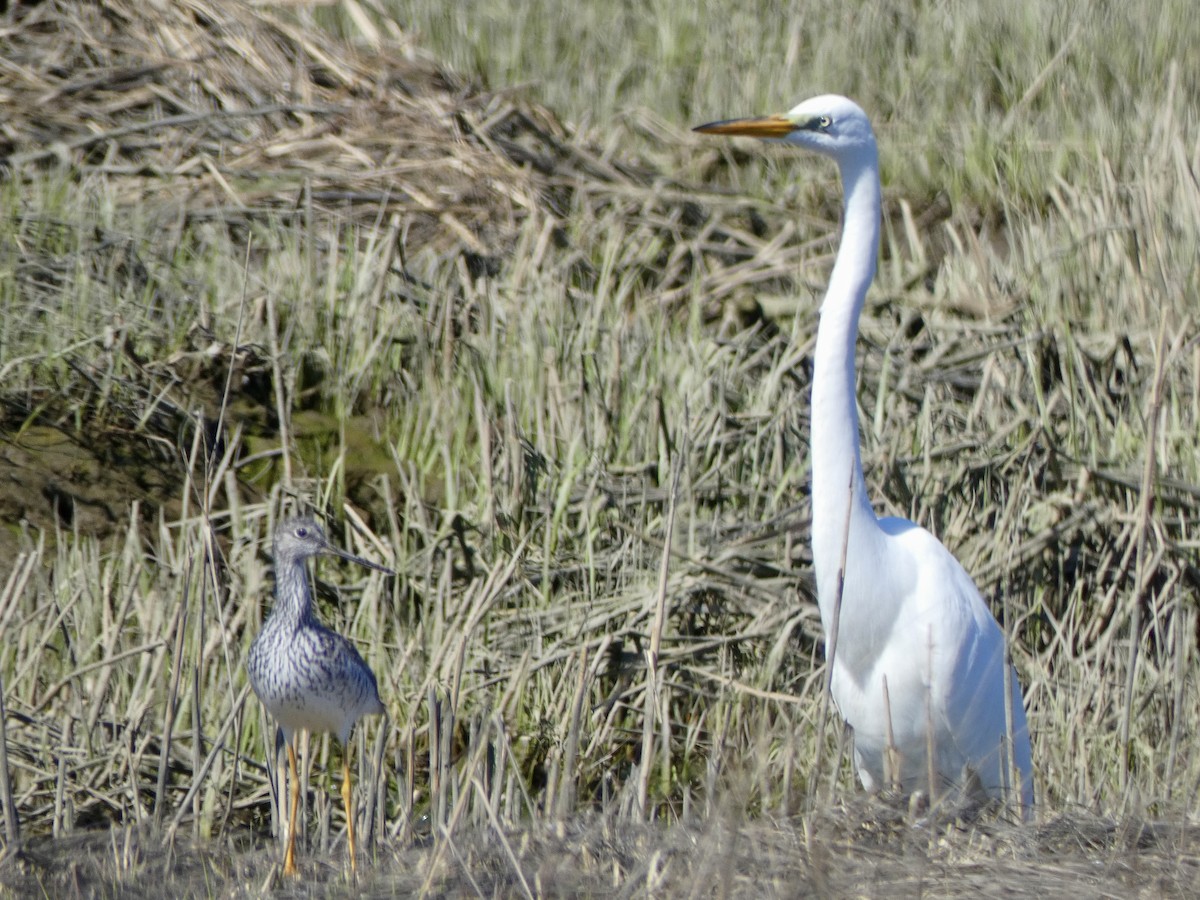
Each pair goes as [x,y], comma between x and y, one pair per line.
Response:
[307,676]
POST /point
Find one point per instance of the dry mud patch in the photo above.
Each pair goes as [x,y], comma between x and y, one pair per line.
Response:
[836,854]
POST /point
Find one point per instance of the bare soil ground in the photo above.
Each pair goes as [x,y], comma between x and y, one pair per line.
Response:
[861,852]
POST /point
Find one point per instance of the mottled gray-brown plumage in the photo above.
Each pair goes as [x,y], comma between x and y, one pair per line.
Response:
[306,675]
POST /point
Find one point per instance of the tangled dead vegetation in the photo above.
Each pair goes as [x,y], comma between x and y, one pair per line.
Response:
[228,110]
[235,115]
[231,111]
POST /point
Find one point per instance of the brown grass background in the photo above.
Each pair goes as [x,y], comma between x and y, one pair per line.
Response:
[559,382]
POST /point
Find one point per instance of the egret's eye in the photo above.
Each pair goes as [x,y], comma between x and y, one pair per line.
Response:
[824,122]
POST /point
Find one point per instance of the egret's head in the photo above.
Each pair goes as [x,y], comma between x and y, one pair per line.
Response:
[830,125]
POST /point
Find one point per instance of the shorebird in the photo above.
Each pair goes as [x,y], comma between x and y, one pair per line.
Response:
[307,676]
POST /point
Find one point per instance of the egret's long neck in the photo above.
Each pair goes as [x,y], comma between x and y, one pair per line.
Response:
[836,458]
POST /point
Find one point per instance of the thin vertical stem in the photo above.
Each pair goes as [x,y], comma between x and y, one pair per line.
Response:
[12,824]
[1013,788]
[1142,568]
[930,738]
[1183,625]
[891,756]
[281,404]
[566,799]
[831,640]
[164,759]
[653,673]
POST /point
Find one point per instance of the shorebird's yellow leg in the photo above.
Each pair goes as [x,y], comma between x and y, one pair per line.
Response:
[348,802]
[289,857]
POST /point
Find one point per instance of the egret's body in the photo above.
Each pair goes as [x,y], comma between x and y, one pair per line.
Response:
[918,661]
[307,676]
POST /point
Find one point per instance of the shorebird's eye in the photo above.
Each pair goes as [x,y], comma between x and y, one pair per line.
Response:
[824,122]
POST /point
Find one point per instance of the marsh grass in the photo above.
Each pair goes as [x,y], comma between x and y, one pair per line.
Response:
[558,380]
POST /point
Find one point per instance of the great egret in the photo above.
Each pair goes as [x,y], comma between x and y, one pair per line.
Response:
[918,660]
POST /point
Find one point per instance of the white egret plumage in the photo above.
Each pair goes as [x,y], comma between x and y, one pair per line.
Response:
[918,663]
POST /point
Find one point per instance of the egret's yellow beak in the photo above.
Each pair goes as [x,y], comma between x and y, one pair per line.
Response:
[761,127]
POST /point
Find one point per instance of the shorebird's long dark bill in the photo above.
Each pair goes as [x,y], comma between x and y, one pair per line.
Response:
[762,127]
[350,557]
